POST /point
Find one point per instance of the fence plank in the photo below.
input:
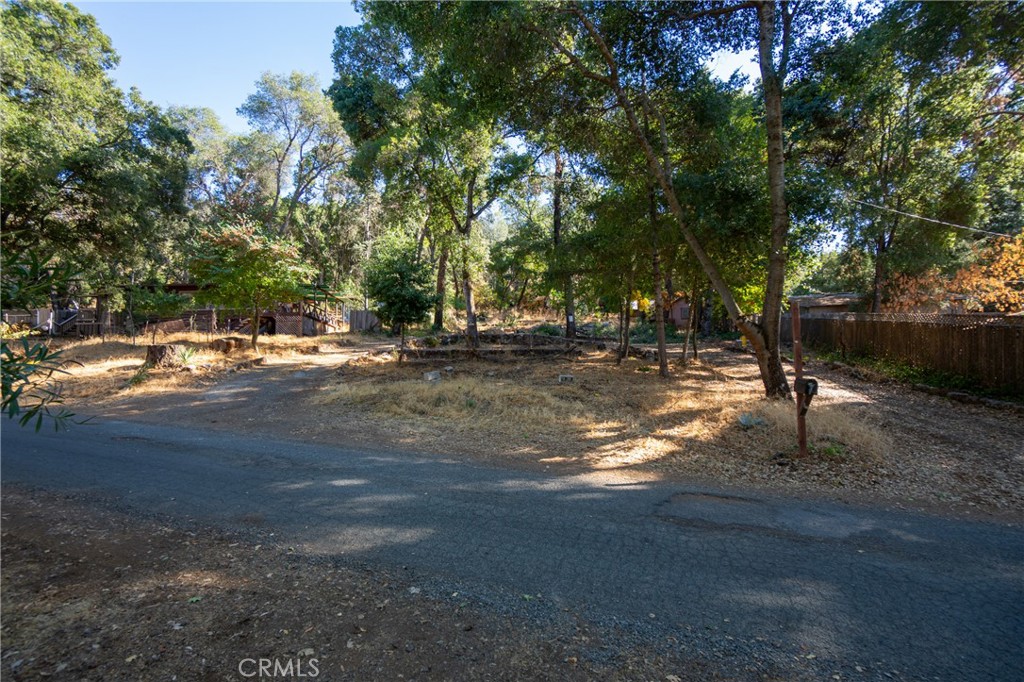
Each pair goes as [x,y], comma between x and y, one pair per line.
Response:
[987,349]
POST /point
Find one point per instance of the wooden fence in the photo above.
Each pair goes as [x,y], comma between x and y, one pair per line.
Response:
[358,320]
[988,349]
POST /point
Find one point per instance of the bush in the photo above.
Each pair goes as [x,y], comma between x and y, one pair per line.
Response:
[548,329]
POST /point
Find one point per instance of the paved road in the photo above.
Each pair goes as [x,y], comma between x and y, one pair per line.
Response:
[866,594]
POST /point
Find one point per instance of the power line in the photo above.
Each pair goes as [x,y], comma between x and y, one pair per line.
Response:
[930,220]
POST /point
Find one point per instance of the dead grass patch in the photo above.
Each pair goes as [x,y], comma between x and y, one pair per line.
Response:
[98,370]
[611,416]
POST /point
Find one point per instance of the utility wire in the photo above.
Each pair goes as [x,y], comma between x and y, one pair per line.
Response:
[930,220]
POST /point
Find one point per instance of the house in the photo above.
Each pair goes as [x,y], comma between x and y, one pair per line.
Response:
[679,312]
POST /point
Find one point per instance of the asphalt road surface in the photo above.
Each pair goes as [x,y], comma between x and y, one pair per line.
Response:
[840,590]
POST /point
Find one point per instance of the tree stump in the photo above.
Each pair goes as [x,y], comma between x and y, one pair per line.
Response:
[163,355]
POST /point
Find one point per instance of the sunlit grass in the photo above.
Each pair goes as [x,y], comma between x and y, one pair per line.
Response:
[100,370]
[611,415]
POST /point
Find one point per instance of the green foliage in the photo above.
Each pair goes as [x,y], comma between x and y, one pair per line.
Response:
[238,266]
[303,135]
[548,329]
[849,270]
[644,331]
[918,113]
[402,288]
[91,175]
[155,302]
[186,354]
[903,372]
[30,391]
[140,376]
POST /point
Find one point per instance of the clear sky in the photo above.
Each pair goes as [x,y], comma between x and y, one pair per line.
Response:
[210,54]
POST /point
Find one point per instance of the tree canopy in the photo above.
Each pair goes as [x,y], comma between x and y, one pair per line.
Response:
[578,157]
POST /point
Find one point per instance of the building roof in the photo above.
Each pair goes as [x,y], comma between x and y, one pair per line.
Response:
[816,300]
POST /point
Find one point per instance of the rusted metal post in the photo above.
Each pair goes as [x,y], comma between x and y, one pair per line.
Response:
[798,370]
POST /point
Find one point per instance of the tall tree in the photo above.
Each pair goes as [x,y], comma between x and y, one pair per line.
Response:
[91,175]
[426,134]
[309,140]
[928,108]
[623,51]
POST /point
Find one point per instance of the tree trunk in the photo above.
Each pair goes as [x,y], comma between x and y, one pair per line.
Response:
[556,221]
[622,326]
[442,268]
[768,357]
[690,322]
[659,322]
[422,236]
[879,279]
[255,324]
[101,315]
[694,320]
[570,309]
[522,293]
[472,333]
[624,347]
[165,355]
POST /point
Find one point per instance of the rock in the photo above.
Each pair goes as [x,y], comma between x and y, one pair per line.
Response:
[432,376]
[228,344]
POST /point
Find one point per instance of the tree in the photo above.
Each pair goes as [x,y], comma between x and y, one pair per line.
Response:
[996,279]
[239,267]
[615,56]
[401,286]
[91,175]
[158,303]
[28,389]
[924,100]
[309,140]
[442,153]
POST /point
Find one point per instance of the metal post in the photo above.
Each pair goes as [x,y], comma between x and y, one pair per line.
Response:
[798,370]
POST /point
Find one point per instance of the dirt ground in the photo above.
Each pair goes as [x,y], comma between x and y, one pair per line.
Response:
[870,441]
[93,593]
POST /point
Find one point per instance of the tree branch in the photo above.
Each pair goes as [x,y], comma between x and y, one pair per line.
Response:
[718,11]
[576,61]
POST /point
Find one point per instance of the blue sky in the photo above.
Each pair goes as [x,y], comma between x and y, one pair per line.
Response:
[210,54]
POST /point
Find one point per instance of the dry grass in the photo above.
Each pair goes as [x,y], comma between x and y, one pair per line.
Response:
[611,416]
[99,371]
